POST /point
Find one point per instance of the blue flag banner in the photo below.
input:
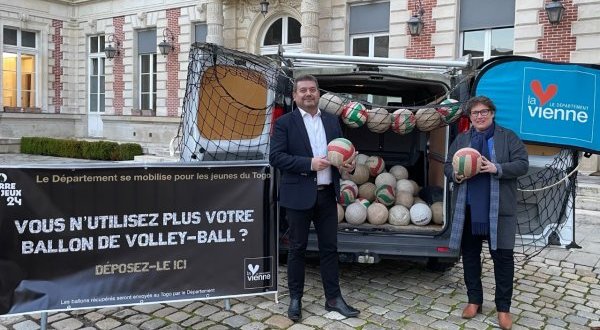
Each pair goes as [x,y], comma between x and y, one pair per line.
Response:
[543,102]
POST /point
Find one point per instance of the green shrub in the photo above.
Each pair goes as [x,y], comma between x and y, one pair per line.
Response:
[129,150]
[97,150]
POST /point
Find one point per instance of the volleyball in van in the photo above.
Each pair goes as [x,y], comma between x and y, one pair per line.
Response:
[361,174]
[428,119]
[403,121]
[376,165]
[450,110]
[339,151]
[340,212]
[347,195]
[466,162]
[331,103]
[399,216]
[385,195]
[378,120]
[354,114]
[356,213]
[420,214]
[377,214]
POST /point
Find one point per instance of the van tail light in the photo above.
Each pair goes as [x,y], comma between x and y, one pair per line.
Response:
[442,249]
[463,124]
[277,112]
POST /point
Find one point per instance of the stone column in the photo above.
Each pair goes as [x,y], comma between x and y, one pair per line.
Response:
[310,26]
[214,22]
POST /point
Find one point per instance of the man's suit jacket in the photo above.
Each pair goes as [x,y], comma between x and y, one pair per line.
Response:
[291,153]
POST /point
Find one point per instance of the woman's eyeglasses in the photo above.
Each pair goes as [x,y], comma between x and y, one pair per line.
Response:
[483,113]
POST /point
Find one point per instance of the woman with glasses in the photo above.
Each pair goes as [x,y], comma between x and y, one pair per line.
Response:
[485,205]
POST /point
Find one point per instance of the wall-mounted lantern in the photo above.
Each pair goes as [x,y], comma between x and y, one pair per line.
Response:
[554,10]
[111,51]
[415,23]
[166,46]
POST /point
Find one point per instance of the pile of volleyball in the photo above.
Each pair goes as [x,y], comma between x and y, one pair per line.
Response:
[373,195]
[401,121]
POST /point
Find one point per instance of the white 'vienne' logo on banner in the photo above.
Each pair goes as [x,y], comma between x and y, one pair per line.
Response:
[558,104]
[258,272]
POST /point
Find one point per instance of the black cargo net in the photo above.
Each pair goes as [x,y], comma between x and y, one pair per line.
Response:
[545,203]
[228,105]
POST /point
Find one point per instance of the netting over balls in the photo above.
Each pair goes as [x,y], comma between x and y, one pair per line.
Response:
[228,104]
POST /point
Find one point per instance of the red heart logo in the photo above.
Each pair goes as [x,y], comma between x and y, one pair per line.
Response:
[543,95]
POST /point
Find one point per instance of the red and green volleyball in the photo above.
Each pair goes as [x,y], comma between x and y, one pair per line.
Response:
[354,114]
[385,195]
[347,195]
[403,121]
[376,165]
[450,110]
[339,150]
[466,162]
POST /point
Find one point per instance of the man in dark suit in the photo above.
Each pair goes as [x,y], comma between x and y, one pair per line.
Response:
[308,190]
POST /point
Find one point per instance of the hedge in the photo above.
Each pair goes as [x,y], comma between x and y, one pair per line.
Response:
[98,150]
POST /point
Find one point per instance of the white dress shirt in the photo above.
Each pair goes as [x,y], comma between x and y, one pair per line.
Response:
[318,142]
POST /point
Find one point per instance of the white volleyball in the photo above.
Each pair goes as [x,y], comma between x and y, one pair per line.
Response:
[399,216]
[399,172]
[331,103]
[405,185]
[385,179]
[420,214]
[356,213]
[367,191]
[437,211]
[428,119]
[405,199]
[378,120]
[340,213]
[416,187]
[361,159]
[361,174]
[377,214]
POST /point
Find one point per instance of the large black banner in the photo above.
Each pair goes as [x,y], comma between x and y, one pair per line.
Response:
[89,237]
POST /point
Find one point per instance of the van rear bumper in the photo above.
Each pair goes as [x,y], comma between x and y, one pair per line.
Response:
[371,248]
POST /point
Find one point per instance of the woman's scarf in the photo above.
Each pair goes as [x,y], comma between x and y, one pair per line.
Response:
[478,187]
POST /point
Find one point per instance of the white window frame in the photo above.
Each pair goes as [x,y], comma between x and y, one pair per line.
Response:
[152,87]
[273,49]
[487,43]
[371,37]
[101,57]
[19,50]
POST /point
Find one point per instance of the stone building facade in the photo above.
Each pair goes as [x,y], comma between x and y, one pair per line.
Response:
[57,80]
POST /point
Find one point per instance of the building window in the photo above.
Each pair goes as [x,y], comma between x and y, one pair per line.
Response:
[19,68]
[147,69]
[284,31]
[486,28]
[370,45]
[488,43]
[369,29]
[96,74]
[200,31]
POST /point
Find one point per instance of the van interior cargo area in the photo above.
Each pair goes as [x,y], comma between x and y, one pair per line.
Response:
[421,153]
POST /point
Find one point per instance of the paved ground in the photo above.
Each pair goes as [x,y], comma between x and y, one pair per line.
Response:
[557,289]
